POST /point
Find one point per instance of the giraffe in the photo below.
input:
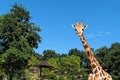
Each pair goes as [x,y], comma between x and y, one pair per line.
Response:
[97,72]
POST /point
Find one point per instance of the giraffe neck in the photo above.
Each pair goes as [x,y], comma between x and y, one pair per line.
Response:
[95,66]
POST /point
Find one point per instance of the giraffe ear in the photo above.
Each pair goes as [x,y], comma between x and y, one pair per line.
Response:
[85,26]
[73,26]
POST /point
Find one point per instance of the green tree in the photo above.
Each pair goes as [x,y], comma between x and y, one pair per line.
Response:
[49,54]
[63,55]
[81,54]
[74,51]
[18,38]
[110,59]
[65,68]
[100,54]
[13,62]
[16,24]
[113,61]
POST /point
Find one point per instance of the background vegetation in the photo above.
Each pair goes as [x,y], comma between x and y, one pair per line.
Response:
[18,60]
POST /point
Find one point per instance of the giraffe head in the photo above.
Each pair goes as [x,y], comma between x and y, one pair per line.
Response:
[79,28]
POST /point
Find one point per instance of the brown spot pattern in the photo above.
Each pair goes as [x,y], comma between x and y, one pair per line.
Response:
[86,46]
[96,75]
[96,70]
[93,65]
[88,53]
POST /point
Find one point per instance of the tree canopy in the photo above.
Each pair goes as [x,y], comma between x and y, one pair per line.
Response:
[110,59]
[18,38]
[15,26]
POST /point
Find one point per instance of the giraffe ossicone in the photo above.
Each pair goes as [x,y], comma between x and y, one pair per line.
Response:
[97,72]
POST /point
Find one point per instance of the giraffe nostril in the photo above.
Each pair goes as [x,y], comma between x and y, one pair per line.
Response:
[75,29]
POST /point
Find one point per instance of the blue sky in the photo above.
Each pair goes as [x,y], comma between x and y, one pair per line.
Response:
[56,16]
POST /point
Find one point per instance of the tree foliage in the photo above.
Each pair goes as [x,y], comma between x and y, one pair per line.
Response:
[16,25]
[110,59]
[65,68]
[18,38]
[49,54]
[13,62]
[81,54]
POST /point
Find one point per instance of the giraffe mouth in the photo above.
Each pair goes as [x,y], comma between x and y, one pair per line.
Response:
[78,32]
